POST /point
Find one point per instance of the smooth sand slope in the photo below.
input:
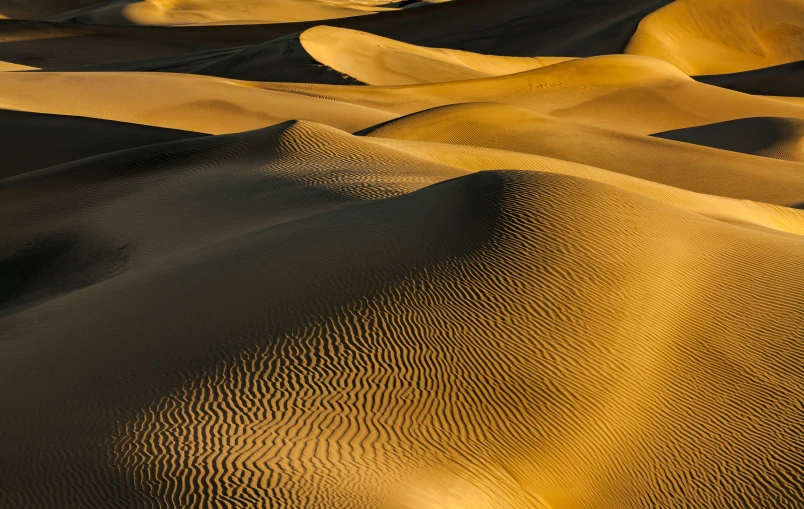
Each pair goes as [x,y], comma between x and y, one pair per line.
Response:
[376,60]
[779,138]
[30,141]
[175,101]
[723,36]
[786,80]
[514,339]
[502,127]
[632,94]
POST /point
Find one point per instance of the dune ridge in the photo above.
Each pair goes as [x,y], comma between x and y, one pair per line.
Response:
[722,36]
[353,254]
[499,223]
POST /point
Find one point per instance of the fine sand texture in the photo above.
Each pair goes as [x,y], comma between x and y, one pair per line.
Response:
[723,36]
[370,254]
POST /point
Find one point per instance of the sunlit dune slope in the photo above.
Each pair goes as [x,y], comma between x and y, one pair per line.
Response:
[684,166]
[10,67]
[779,138]
[629,93]
[176,101]
[30,141]
[736,211]
[723,36]
[503,339]
[781,80]
[379,61]
[184,12]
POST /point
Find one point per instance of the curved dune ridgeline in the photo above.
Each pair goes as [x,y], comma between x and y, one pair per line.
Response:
[355,254]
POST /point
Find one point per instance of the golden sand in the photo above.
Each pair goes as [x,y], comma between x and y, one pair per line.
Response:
[512,261]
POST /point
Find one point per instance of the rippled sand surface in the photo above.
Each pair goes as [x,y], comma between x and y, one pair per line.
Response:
[358,254]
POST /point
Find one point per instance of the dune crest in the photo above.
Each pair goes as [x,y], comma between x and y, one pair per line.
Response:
[723,36]
[398,254]
[376,60]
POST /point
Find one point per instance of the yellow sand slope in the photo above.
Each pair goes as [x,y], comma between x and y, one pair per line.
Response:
[514,339]
[632,94]
[512,129]
[477,282]
[376,60]
[186,102]
[723,36]
[629,93]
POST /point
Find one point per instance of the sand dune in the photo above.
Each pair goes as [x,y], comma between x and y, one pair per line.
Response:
[24,136]
[633,94]
[781,80]
[379,61]
[519,28]
[185,12]
[779,138]
[723,36]
[684,166]
[353,254]
[191,103]
[387,406]
[329,55]
[25,9]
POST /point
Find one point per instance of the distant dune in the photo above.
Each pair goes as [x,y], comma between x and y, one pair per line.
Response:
[353,254]
[185,12]
[723,36]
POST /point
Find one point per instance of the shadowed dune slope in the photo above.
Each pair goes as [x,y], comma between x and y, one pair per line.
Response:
[283,171]
[30,141]
[187,12]
[685,166]
[506,27]
[786,80]
[779,138]
[503,339]
[723,36]
[26,9]
[336,56]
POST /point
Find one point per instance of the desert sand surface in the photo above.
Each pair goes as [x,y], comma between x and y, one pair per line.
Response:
[355,254]
[723,36]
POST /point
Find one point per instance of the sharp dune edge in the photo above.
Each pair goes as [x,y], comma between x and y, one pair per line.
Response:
[409,255]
